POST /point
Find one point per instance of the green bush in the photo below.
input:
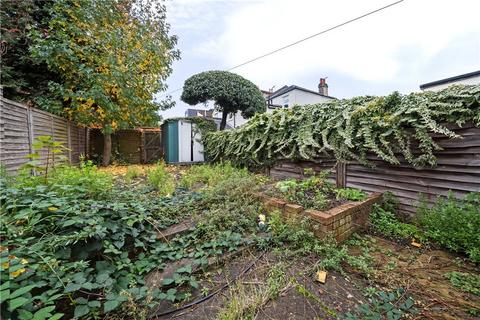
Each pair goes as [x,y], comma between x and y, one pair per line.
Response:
[210,175]
[161,179]
[454,223]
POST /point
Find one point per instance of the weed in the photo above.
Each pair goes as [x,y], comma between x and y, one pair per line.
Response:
[310,193]
[132,173]
[68,245]
[350,194]
[161,180]
[245,303]
[454,223]
[309,295]
[385,305]
[210,175]
[297,235]
[314,192]
[465,281]
[384,221]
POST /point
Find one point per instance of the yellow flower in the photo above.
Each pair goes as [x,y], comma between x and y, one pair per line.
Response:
[23,261]
[5,265]
[52,209]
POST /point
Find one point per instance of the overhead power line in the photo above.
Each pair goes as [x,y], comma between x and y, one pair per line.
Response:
[305,39]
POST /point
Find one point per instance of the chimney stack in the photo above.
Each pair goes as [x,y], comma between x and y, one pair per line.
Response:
[323,87]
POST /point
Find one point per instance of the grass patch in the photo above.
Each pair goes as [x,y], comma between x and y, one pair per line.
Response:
[244,303]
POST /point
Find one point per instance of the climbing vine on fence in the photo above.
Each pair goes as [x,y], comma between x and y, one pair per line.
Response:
[390,126]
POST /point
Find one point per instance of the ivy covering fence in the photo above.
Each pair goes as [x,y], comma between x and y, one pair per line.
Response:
[392,126]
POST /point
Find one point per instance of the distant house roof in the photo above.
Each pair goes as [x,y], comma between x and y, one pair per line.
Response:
[199,112]
[286,89]
[451,79]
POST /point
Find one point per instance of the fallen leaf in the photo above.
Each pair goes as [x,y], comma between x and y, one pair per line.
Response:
[321,276]
[416,244]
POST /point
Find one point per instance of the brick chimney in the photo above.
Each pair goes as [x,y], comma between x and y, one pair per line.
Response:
[323,87]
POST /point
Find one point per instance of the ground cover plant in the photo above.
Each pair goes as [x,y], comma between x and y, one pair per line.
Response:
[348,129]
[74,249]
[314,192]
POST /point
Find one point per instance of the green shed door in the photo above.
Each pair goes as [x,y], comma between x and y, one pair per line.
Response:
[172,142]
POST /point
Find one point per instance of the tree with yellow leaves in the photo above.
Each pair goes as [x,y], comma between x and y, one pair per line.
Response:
[113,56]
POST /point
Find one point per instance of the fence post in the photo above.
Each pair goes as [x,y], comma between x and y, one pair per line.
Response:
[30,129]
[341,169]
[69,142]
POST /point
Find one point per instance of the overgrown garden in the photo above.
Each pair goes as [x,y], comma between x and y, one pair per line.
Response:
[85,243]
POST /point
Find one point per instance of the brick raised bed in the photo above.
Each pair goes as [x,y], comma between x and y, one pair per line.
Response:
[340,222]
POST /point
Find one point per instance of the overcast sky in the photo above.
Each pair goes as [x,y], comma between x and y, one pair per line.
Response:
[399,48]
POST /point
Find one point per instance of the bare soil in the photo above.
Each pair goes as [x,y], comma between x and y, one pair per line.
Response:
[420,271]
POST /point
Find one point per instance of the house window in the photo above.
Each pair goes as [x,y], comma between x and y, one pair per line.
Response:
[285,100]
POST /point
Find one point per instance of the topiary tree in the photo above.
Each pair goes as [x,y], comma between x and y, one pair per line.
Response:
[230,92]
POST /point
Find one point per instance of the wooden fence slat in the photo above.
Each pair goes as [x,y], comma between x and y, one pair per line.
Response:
[20,125]
[457,172]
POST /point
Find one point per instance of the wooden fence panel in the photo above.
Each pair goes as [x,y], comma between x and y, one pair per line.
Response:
[14,137]
[20,125]
[457,171]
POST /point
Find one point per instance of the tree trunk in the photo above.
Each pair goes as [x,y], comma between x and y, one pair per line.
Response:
[224,120]
[107,149]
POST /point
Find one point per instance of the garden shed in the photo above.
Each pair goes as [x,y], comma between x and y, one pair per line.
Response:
[182,139]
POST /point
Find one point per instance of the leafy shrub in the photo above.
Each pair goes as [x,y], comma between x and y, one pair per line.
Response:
[132,173]
[465,281]
[351,194]
[384,221]
[209,175]
[161,179]
[454,223]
